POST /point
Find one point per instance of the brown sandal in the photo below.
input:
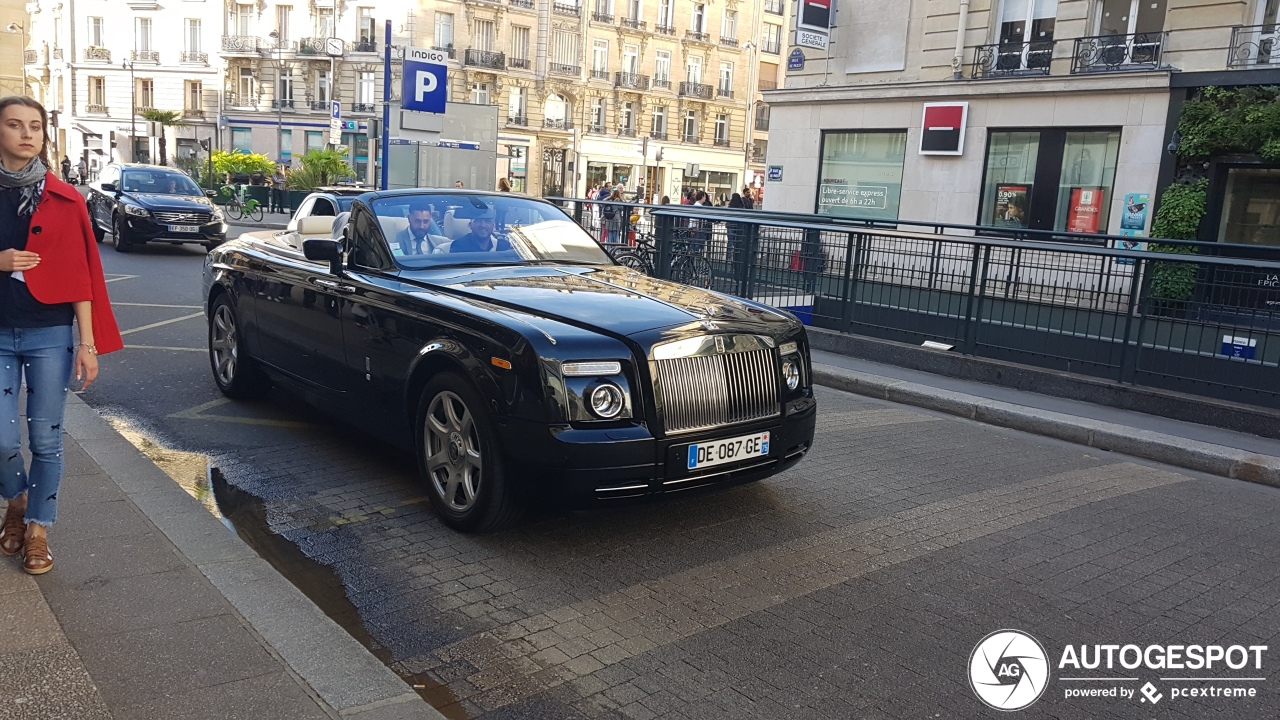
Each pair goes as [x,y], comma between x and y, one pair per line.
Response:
[37,560]
[13,531]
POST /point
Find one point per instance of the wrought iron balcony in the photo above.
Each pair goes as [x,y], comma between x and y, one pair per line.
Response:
[631,80]
[696,90]
[364,45]
[757,155]
[92,53]
[235,44]
[518,63]
[151,56]
[285,104]
[766,84]
[1012,59]
[664,29]
[762,123]
[600,17]
[557,123]
[599,74]
[524,4]
[31,57]
[696,36]
[724,92]
[485,59]
[729,42]
[626,132]
[143,110]
[521,120]
[773,7]
[566,9]
[311,46]
[633,24]
[562,69]
[364,107]
[661,83]
[1254,46]
[597,129]
[94,109]
[319,105]
[658,135]
[773,48]
[189,56]
[690,138]
[193,113]
[1118,53]
[449,51]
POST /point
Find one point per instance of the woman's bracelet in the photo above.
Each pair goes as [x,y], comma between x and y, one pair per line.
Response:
[93,350]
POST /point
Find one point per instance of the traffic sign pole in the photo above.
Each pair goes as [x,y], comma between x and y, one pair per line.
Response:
[386,107]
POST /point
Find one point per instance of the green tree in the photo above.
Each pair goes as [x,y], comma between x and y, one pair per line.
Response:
[167,118]
[238,163]
[320,168]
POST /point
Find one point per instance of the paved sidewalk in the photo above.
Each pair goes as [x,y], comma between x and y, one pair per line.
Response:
[1183,444]
[154,609]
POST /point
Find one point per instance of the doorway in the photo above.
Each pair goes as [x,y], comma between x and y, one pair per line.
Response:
[553,167]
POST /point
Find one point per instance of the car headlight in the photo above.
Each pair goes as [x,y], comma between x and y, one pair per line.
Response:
[135,210]
[791,373]
[606,401]
[218,215]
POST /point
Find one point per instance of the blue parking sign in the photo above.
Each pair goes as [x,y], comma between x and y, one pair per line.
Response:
[426,81]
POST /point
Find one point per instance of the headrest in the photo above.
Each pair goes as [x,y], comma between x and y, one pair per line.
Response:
[315,225]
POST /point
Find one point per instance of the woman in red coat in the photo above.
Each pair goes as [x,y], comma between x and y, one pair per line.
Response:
[50,277]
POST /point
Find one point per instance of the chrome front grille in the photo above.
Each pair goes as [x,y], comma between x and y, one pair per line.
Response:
[182,218]
[717,389]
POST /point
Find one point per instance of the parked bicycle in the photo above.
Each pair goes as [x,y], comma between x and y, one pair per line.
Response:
[689,266]
[238,207]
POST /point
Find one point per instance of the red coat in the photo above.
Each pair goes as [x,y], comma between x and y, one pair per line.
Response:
[70,269]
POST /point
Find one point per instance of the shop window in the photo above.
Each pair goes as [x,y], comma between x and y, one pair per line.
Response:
[1088,176]
[1251,208]
[1059,180]
[1011,175]
[861,174]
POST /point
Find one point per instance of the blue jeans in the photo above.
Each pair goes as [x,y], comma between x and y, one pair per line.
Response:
[45,356]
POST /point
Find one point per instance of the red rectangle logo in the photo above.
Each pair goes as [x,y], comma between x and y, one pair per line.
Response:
[944,117]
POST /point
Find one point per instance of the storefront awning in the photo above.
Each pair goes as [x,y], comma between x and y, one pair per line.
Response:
[85,131]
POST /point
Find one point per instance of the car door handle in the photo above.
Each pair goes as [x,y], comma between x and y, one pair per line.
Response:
[335,286]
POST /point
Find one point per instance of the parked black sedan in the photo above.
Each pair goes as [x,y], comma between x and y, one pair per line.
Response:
[150,203]
[494,338]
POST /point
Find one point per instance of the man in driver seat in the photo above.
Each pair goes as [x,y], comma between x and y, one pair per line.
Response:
[481,237]
[422,236]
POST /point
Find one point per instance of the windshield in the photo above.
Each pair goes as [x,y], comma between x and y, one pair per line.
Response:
[437,230]
[159,182]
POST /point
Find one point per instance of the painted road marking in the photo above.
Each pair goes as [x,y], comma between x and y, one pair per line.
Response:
[162,322]
[198,413]
[162,347]
[182,307]
[111,277]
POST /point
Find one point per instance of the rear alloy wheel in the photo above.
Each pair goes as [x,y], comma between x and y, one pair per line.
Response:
[459,457]
[236,374]
[117,230]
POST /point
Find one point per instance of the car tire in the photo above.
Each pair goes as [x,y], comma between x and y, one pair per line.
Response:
[98,233]
[122,244]
[459,457]
[235,372]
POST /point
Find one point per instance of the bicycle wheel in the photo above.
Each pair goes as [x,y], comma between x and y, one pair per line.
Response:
[630,258]
[255,213]
[691,270]
[233,210]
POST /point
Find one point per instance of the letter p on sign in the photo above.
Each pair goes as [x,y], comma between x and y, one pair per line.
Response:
[425,86]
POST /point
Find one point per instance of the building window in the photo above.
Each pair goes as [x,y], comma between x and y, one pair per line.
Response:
[195,95]
[1050,179]
[444,30]
[365,88]
[193,35]
[485,36]
[246,86]
[282,22]
[1026,34]
[693,71]
[635,10]
[286,83]
[699,18]
[322,86]
[315,140]
[631,59]
[565,48]
[691,126]
[146,93]
[98,91]
[286,146]
[660,120]
[662,66]
[518,103]
[729,25]
[666,16]
[1251,207]
[629,117]
[364,25]
[324,22]
[861,174]
[597,115]
[772,39]
[600,56]
[520,42]
[726,79]
[722,129]
[142,34]
[95,32]
[480,93]
[1129,17]
[242,20]
[242,140]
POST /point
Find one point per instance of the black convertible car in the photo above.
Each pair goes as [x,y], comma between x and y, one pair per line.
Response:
[494,338]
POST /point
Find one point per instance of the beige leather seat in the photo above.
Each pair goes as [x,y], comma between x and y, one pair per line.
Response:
[455,227]
[392,227]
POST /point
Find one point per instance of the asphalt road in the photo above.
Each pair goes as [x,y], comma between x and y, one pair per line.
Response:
[854,586]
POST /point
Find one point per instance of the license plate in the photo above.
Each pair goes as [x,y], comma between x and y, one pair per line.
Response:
[728,450]
[184,228]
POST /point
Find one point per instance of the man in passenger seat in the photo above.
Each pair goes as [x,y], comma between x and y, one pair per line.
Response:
[422,236]
[481,238]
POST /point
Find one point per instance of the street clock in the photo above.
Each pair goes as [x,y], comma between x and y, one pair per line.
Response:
[334,47]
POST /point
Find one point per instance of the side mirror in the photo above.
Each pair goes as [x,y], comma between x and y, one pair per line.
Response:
[324,250]
[109,187]
[210,194]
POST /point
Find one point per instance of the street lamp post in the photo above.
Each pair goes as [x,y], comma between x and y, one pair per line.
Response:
[275,36]
[20,28]
[133,109]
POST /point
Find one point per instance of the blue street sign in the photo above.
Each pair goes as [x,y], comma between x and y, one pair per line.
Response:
[795,61]
[775,173]
[426,81]
[335,111]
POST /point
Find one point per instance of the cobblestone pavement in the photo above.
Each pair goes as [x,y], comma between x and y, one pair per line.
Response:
[854,586]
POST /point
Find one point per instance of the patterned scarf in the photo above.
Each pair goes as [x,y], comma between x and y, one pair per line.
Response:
[29,182]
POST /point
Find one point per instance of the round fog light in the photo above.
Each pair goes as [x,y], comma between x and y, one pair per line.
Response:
[791,373]
[606,401]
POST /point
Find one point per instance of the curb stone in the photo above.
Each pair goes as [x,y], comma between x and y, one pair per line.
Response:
[1169,449]
[341,671]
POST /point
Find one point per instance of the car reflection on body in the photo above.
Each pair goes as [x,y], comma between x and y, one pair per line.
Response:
[494,338]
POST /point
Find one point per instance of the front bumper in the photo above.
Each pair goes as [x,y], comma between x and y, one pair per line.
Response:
[589,465]
[140,229]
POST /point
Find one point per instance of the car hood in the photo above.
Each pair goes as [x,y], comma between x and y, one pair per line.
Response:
[613,298]
[180,203]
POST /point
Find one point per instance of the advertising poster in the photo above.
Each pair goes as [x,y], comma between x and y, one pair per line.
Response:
[1012,204]
[840,194]
[1133,221]
[1086,210]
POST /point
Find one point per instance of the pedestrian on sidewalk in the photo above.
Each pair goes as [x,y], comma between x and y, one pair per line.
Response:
[278,181]
[50,276]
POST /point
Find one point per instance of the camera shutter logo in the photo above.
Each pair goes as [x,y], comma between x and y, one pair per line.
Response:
[1008,670]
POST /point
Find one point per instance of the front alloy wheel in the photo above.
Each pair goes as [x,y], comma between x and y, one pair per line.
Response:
[455,458]
[236,374]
